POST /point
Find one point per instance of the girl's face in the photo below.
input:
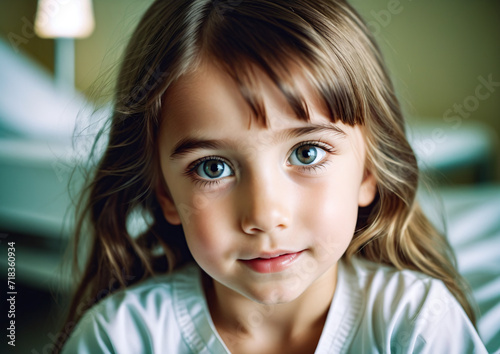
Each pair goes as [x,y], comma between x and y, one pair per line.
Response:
[266,211]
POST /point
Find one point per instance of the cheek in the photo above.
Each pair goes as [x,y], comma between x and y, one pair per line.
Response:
[331,212]
[206,230]
[202,218]
[336,197]
[334,210]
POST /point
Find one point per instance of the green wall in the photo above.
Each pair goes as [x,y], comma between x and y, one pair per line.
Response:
[439,52]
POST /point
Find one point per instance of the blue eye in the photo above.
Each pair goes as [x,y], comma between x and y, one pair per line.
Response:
[214,169]
[306,155]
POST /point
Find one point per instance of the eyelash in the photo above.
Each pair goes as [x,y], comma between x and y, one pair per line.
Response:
[202,182]
[319,166]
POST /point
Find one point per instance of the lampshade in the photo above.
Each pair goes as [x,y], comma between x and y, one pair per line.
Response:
[64,18]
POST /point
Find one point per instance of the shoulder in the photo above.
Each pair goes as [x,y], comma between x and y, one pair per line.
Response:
[387,282]
[399,295]
[405,310]
[134,313]
[146,298]
[152,292]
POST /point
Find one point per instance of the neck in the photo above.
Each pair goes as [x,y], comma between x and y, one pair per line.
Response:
[238,318]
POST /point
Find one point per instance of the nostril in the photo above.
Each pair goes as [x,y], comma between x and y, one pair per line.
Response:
[256,230]
[281,226]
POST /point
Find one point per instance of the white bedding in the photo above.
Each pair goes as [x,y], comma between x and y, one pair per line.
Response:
[472,218]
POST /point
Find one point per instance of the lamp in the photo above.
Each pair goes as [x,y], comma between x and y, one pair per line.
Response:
[64,20]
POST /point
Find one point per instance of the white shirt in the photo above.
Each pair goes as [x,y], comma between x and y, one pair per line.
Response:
[375,309]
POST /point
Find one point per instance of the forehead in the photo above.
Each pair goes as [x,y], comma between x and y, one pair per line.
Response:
[210,92]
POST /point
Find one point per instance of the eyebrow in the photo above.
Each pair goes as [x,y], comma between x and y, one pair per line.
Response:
[190,144]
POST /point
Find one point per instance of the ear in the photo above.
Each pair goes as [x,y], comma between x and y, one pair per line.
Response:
[167,204]
[367,190]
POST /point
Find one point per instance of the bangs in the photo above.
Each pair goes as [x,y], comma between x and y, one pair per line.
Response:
[263,36]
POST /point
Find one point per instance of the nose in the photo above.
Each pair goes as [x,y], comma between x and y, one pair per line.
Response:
[265,205]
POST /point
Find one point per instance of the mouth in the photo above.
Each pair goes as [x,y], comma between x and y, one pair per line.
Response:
[272,263]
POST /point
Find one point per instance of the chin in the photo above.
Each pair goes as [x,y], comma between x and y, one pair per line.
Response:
[275,295]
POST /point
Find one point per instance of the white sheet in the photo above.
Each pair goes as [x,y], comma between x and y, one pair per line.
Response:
[472,217]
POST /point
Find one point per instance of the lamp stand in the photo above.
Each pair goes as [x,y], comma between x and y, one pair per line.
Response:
[64,63]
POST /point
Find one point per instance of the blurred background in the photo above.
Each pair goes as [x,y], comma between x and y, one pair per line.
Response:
[444,58]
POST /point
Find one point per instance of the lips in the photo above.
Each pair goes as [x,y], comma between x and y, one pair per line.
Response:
[272,264]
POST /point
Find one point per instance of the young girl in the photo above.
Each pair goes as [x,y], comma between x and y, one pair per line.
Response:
[263,146]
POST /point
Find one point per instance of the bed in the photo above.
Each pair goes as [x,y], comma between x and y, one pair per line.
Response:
[472,219]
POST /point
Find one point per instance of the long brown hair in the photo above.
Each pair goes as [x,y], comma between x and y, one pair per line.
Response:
[335,51]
